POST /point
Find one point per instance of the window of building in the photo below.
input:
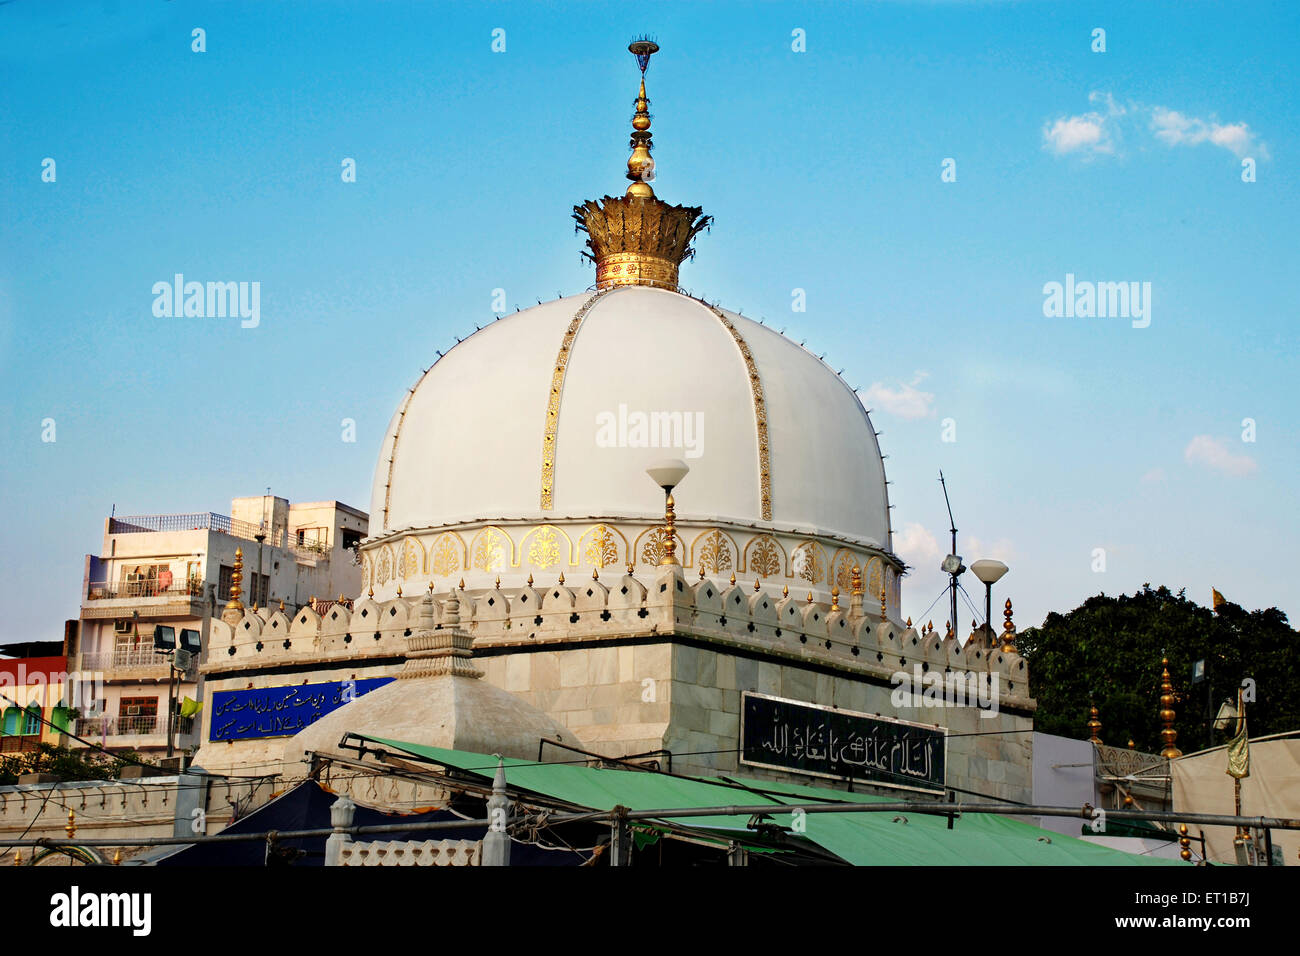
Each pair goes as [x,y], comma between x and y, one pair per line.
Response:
[32,720]
[258,585]
[223,582]
[351,538]
[137,707]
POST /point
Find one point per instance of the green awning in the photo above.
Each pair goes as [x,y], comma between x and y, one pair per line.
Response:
[860,838]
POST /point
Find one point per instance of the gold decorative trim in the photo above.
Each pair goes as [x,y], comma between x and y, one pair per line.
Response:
[553,401]
[760,414]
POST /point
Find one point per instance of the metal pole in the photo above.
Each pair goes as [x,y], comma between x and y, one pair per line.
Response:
[988,609]
[171,704]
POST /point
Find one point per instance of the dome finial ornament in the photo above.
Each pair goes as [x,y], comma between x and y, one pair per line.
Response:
[637,239]
[640,167]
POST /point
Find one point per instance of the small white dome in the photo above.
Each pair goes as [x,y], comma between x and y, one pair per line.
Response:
[467,445]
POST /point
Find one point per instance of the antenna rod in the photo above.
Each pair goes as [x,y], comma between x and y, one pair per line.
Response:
[952,564]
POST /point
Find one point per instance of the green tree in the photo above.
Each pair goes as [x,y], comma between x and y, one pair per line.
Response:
[1107,653]
[65,764]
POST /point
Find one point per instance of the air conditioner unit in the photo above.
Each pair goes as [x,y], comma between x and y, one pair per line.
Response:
[133,710]
[121,627]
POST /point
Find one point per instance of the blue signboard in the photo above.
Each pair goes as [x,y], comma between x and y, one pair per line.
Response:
[281,711]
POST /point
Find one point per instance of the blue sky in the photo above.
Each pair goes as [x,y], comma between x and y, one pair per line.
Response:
[822,169]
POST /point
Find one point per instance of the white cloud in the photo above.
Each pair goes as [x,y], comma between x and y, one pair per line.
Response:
[1154,476]
[1088,133]
[1175,129]
[917,546]
[1098,131]
[1213,453]
[906,401]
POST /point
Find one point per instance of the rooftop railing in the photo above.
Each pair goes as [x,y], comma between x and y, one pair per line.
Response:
[195,521]
[92,727]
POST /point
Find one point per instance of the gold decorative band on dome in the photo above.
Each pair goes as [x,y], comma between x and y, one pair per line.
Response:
[634,268]
[392,452]
[553,400]
[760,413]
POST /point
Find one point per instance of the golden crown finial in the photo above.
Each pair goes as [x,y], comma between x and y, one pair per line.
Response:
[530,579]
[1167,698]
[462,584]
[18,858]
[835,598]
[1094,727]
[341,599]
[631,569]
[785,590]
[733,578]
[281,605]
[370,593]
[756,585]
[117,857]
[399,590]
[71,828]
[595,574]
[809,597]
[701,573]
[909,622]
[561,577]
[430,587]
[497,583]
[637,239]
[855,580]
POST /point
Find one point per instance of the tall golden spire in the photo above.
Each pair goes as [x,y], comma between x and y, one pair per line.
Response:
[640,167]
[637,239]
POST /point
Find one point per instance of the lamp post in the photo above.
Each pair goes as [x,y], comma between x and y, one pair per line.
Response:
[668,474]
[990,572]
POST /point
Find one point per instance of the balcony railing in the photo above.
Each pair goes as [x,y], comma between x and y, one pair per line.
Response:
[139,655]
[108,591]
[92,727]
[196,521]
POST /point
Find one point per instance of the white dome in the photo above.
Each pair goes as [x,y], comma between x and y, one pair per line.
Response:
[467,443]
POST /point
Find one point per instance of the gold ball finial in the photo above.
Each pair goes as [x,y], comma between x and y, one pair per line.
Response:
[1094,727]
[733,578]
[1167,699]
[855,580]
[884,608]
[1185,842]
[701,574]
[71,828]
[835,598]
[430,587]
[631,569]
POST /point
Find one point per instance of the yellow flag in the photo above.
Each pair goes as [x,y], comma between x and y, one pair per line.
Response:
[190,707]
[1217,598]
[1239,746]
